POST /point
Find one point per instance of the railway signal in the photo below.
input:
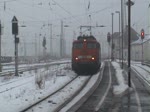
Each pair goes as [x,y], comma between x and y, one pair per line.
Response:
[44,42]
[142,34]
[108,40]
[15,33]
[108,37]
[142,37]
[14,26]
[44,46]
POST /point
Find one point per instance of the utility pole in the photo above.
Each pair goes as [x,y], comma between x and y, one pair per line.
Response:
[61,40]
[122,32]
[129,42]
[25,50]
[35,46]
[149,19]
[119,36]
[64,43]
[0,46]
[112,46]
[125,13]
[51,34]
[129,3]
[39,46]
[16,55]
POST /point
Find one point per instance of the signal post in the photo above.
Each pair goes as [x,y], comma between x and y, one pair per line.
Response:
[0,46]
[142,37]
[15,33]
[108,40]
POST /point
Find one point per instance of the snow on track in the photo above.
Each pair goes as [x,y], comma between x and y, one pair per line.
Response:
[122,87]
[143,71]
[52,103]
[15,100]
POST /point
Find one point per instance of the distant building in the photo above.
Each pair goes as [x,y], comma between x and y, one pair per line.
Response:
[117,38]
[116,44]
[136,49]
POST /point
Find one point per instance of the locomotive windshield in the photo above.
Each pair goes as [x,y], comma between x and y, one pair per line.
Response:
[78,45]
[91,45]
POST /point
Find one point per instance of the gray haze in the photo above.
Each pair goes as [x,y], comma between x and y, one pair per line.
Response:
[37,15]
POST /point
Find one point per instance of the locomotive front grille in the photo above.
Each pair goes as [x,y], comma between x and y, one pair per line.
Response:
[85,57]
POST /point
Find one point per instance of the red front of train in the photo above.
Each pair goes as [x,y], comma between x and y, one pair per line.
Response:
[86,54]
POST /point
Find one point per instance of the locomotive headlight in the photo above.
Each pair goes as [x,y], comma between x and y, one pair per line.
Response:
[93,58]
[76,58]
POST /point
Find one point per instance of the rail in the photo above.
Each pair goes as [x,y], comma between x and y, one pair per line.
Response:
[142,78]
[50,95]
[26,68]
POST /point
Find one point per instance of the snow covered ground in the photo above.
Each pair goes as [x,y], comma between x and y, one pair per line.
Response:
[52,103]
[144,73]
[12,66]
[16,93]
[82,93]
[122,86]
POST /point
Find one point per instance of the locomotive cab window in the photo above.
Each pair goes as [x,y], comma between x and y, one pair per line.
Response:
[98,45]
[78,45]
[91,45]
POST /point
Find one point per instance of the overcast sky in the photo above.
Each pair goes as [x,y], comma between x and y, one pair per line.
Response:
[37,14]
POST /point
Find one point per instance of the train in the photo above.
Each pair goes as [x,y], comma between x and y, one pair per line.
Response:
[86,54]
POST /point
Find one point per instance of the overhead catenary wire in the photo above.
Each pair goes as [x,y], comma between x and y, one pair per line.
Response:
[77,21]
[71,17]
[39,7]
[36,6]
[75,18]
[11,11]
[8,1]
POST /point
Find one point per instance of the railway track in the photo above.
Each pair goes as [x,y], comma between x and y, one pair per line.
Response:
[28,91]
[70,84]
[97,96]
[80,101]
[141,75]
[43,97]
[143,68]
[143,78]
[2,91]
[137,100]
[29,68]
[16,85]
[11,71]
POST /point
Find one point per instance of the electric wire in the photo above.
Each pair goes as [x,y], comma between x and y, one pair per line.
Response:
[71,17]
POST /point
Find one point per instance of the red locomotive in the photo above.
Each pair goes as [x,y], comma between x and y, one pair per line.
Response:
[86,54]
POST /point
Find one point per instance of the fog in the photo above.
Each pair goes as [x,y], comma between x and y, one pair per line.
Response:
[37,15]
